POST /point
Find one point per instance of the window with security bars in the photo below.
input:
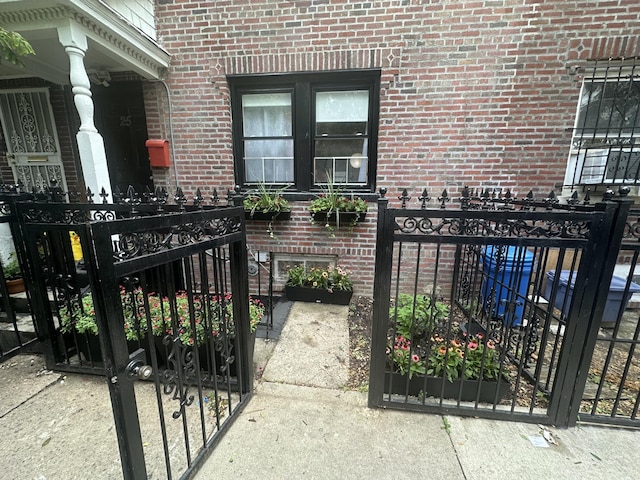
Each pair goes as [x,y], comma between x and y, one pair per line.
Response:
[604,148]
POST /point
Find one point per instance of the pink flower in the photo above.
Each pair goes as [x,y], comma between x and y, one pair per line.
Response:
[472,345]
[415,358]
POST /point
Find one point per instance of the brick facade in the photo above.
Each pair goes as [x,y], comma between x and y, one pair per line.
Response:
[478,93]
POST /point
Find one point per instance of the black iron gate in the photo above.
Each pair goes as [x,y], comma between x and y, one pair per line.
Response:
[611,377]
[489,309]
[148,292]
[17,330]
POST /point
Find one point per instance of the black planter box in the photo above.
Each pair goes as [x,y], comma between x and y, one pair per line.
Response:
[268,216]
[346,218]
[318,295]
[397,384]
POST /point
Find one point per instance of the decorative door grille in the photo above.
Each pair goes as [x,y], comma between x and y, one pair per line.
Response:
[30,135]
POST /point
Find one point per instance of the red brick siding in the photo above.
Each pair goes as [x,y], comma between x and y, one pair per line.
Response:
[472,92]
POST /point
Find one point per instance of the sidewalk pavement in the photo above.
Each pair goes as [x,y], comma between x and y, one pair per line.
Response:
[301,423]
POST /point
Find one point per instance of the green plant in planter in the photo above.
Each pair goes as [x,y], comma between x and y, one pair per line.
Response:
[221,314]
[11,269]
[330,278]
[81,315]
[332,201]
[468,357]
[405,362]
[266,201]
[416,316]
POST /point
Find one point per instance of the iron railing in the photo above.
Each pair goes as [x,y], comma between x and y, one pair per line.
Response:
[484,309]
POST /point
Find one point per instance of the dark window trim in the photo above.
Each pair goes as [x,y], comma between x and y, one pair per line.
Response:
[304,86]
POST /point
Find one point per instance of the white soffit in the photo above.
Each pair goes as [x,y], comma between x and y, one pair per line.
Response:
[114,44]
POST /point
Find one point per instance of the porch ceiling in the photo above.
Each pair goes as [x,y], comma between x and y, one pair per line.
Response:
[113,43]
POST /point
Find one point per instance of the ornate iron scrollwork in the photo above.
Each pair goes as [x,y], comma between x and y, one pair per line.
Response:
[180,367]
[494,228]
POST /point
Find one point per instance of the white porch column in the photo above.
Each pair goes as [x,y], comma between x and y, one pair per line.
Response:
[90,142]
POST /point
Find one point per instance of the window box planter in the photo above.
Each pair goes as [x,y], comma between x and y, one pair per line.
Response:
[280,216]
[318,295]
[396,383]
[343,218]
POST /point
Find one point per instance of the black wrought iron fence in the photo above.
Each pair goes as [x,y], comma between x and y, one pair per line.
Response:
[484,309]
[17,330]
[612,384]
[143,290]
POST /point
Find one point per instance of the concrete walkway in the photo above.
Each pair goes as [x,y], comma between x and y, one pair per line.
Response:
[302,424]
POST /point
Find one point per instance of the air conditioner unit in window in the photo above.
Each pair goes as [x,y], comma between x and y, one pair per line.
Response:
[622,165]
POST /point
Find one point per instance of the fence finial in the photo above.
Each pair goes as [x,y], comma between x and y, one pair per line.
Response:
[147,194]
[198,200]
[179,198]
[214,197]
[424,198]
[404,198]
[608,194]
[551,200]
[117,195]
[383,191]
[573,200]
[444,198]
[465,198]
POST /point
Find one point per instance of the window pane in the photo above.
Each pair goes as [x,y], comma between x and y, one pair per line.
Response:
[612,105]
[341,161]
[268,161]
[342,113]
[266,115]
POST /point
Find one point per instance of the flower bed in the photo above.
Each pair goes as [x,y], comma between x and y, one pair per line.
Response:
[78,323]
[424,350]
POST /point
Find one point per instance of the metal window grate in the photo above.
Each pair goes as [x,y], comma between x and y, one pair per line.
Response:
[604,148]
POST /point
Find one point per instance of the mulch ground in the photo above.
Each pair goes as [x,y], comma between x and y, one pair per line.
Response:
[360,319]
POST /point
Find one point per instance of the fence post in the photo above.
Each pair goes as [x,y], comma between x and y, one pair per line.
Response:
[599,260]
[113,343]
[240,287]
[381,296]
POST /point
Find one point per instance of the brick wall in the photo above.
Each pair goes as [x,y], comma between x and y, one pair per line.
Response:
[481,93]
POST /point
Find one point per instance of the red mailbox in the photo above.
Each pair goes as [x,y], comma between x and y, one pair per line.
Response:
[158,152]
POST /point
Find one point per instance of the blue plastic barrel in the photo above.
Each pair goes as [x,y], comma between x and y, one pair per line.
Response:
[506,274]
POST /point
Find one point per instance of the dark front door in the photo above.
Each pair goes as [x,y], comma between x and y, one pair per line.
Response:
[120,118]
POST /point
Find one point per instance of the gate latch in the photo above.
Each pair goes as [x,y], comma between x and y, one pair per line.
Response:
[137,369]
